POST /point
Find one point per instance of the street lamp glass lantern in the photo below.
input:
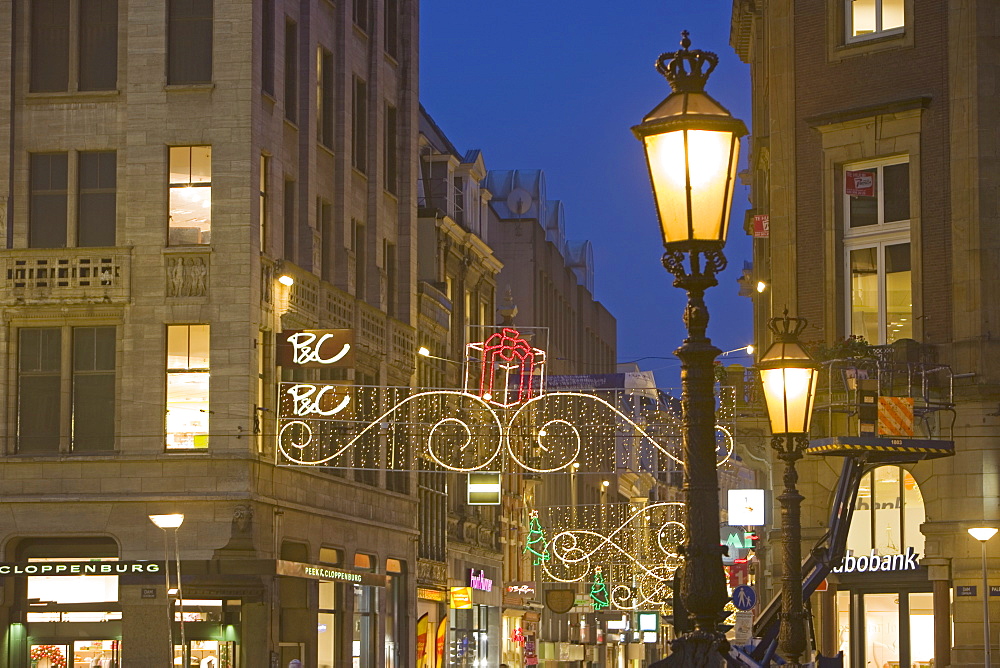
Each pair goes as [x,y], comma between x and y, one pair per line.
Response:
[692,148]
[789,375]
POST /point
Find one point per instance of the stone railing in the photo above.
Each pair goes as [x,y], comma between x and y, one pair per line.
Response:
[52,275]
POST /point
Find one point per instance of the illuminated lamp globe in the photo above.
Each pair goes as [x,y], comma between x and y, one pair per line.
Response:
[286,280]
[692,148]
[788,374]
[168,521]
[983,534]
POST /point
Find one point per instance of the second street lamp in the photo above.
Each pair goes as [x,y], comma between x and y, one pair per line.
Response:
[692,148]
[789,375]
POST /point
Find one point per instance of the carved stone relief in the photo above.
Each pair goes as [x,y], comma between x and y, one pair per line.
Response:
[187,276]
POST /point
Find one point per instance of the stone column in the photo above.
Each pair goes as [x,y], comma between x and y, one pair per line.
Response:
[145,635]
[939,573]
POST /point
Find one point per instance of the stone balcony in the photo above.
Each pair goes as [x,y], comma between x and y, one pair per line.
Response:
[65,275]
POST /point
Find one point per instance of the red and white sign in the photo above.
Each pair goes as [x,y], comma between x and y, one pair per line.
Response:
[860,183]
[762,226]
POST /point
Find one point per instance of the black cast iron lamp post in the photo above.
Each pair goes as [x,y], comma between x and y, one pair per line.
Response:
[692,148]
[789,376]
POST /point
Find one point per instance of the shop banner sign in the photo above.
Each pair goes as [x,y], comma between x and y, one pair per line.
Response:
[316,348]
[461,598]
[297,569]
[762,226]
[874,562]
[421,640]
[49,568]
[560,601]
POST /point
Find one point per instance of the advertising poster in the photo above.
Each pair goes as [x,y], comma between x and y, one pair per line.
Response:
[859,183]
[422,640]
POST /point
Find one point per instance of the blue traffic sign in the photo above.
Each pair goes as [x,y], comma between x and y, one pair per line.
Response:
[744,597]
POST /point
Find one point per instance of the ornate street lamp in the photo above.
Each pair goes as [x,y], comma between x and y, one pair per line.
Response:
[983,534]
[692,148]
[789,376]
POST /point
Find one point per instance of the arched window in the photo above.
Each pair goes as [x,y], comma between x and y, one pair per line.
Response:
[888,513]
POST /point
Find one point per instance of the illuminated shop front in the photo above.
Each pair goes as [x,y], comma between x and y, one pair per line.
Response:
[475,625]
[883,598]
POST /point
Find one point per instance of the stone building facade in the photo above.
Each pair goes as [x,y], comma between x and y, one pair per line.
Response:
[164,165]
[874,155]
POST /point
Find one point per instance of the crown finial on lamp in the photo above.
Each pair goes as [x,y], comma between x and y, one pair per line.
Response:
[683,69]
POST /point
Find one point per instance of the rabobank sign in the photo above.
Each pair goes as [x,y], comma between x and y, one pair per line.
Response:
[874,562]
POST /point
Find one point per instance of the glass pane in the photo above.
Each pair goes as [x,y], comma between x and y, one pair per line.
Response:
[898,293]
[921,629]
[73,588]
[187,410]
[327,640]
[881,629]
[327,595]
[861,186]
[38,414]
[94,348]
[859,536]
[180,164]
[864,294]
[205,653]
[177,346]
[862,17]
[40,349]
[892,14]
[887,506]
[201,164]
[92,653]
[913,513]
[896,192]
[49,656]
[93,412]
[198,351]
[190,215]
[844,625]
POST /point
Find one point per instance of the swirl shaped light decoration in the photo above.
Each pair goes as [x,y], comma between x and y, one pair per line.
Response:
[503,408]
[339,426]
[635,548]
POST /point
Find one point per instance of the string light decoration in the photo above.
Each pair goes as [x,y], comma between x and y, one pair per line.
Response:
[536,543]
[51,652]
[343,426]
[635,548]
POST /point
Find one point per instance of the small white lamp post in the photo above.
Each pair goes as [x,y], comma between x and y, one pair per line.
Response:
[983,534]
[173,521]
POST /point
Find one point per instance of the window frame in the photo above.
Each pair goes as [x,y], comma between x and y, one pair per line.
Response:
[66,375]
[359,125]
[851,38]
[182,35]
[190,183]
[880,236]
[174,372]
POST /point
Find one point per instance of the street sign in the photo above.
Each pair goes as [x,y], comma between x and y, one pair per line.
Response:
[965,590]
[743,627]
[744,597]
[994,590]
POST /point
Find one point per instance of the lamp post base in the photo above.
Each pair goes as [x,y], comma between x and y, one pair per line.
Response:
[695,650]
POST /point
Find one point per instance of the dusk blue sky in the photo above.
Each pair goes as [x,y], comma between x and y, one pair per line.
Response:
[556,85]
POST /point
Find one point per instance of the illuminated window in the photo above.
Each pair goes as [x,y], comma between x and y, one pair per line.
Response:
[873,18]
[190,195]
[887,515]
[187,387]
[876,205]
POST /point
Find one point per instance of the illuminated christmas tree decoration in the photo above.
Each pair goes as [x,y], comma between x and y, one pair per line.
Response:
[599,590]
[536,543]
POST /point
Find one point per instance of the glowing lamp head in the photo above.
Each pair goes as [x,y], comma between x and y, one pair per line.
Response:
[423,351]
[788,374]
[167,521]
[750,349]
[983,534]
[692,149]
[286,280]
[761,286]
[605,483]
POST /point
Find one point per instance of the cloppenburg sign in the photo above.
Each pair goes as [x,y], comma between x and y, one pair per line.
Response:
[48,568]
[875,562]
